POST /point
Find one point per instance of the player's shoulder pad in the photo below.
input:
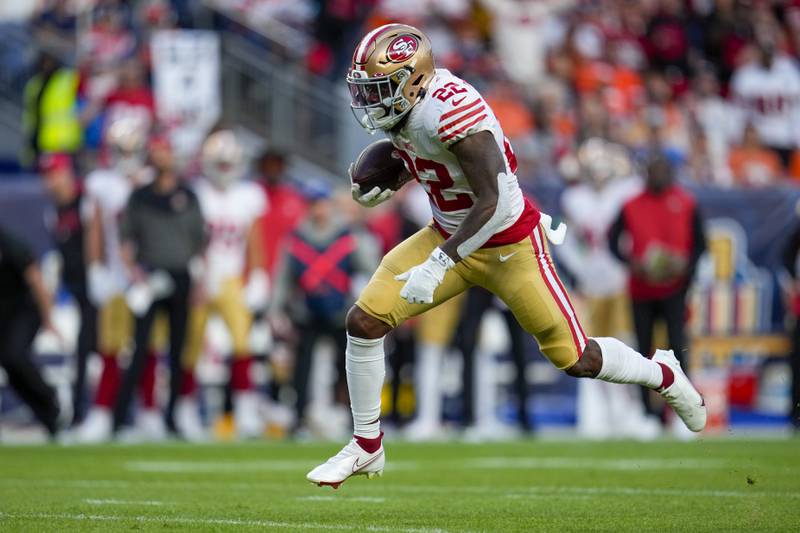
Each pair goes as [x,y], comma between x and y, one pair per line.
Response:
[457,109]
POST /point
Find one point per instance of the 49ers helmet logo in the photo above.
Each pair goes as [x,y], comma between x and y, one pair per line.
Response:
[402,48]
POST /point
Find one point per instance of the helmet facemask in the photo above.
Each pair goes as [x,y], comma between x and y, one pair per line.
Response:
[128,162]
[223,172]
[126,139]
[223,158]
[378,102]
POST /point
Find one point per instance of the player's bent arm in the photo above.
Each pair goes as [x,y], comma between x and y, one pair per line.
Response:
[99,283]
[128,231]
[257,289]
[282,287]
[615,237]
[127,251]
[484,168]
[93,249]
[41,296]
[255,249]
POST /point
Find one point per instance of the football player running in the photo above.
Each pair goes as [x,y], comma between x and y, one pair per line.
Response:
[483,233]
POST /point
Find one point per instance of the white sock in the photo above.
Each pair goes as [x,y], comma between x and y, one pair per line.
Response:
[622,364]
[427,373]
[365,373]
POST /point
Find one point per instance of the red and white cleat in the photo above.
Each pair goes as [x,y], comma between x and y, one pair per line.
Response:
[681,395]
[353,460]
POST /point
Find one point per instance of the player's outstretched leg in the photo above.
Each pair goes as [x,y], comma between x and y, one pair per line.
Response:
[611,360]
[363,455]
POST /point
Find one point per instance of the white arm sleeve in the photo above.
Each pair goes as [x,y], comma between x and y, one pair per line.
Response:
[505,183]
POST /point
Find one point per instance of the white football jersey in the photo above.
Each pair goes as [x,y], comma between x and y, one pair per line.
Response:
[229,214]
[452,110]
[771,100]
[590,212]
[110,190]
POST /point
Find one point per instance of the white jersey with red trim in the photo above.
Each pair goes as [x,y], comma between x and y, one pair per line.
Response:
[450,111]
[770,99]
[110,189]
[229,214]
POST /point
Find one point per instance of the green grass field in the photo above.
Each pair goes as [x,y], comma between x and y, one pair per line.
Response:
[712,485]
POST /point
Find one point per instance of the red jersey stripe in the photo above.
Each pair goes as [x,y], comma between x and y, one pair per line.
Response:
[462,129]
[458,110]
[461,119]
[511,157]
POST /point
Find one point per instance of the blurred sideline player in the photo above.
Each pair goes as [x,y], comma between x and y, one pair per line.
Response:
[287,208]
[162,235]
[71,229]
[484,233]
[109,189]
[25,306]
[432,331]
[478,374]
[230,208]
[590,207]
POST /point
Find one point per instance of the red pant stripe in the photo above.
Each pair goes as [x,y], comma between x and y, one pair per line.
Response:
[557,291]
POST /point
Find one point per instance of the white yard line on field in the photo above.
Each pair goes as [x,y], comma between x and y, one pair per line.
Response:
[486,491]
[192,466]
[552,490]
[367,499]
[112,501]
[478,463]
[572,463]
[526,492]
[233,522]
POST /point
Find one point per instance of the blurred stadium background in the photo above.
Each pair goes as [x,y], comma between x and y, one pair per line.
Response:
[584,89]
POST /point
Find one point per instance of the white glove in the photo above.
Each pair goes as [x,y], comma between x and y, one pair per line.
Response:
[139,297]
[256,291]
[101,284]
[161,284]
[370,198]
[422,280]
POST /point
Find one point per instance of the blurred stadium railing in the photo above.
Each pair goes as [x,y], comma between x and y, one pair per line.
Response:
[266,89]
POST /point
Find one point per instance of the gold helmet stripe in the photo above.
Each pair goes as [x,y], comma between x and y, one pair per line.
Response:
[362,51]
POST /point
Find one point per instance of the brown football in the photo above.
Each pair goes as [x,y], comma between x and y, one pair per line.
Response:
[376,167]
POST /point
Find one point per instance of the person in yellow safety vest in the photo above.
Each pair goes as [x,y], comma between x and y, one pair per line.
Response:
[51,121]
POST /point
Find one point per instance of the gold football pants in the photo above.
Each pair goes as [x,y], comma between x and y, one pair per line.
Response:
[116,323]
[520,274]
[229,305]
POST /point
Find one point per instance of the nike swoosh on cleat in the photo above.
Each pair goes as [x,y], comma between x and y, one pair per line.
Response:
[357,467]
[504,258]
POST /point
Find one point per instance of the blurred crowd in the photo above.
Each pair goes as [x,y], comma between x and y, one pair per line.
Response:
[716,82]
[152,247]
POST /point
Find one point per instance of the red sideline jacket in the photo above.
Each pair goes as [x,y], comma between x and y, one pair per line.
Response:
[670,220]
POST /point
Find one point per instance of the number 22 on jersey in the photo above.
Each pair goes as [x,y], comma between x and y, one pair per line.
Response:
[435,179]
[449,90]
